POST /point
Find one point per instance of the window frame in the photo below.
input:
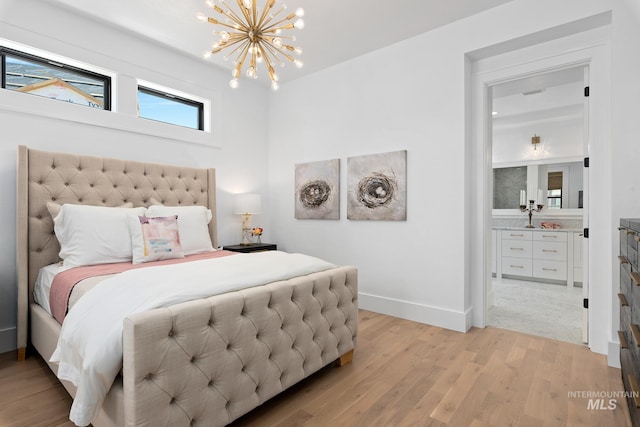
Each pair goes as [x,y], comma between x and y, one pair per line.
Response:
[144,87]
[106,80]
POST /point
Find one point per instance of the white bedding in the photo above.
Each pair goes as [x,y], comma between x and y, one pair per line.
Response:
[43,284]
[89,351]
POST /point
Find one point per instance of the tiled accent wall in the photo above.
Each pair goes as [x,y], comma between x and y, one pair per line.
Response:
[507,183]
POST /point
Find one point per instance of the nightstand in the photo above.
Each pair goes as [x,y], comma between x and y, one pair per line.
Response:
[252,247]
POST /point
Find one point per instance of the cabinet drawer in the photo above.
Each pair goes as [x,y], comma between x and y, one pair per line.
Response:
[550,236]
[516,266]
[545,269]
[516,249]
[516,235]
[556,251]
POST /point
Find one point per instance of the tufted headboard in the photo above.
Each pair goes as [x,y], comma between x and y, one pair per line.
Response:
[69,178]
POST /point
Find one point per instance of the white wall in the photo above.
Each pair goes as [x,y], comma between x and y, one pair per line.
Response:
[412,96]
[237,147]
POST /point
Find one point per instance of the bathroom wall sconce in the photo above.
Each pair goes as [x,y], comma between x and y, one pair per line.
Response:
[535,140]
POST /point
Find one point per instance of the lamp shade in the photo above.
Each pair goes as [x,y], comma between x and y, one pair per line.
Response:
[246,204]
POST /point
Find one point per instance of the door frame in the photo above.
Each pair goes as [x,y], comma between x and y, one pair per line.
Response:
[586,49]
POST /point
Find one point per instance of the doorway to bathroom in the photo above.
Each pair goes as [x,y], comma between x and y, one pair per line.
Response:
[539,128]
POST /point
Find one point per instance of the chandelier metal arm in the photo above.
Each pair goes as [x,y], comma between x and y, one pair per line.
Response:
[273,16]
[275,52]
[267,61]
[271,28]
[245,12]
[245,51]
[216,22]
[231,15]
[265,11]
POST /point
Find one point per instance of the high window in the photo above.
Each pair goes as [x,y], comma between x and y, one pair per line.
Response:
[169,108]
[30,74]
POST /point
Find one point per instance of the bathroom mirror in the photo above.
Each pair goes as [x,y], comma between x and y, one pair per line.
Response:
[560,182]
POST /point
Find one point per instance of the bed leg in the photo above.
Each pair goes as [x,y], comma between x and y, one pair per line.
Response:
[345,359]
[22,354]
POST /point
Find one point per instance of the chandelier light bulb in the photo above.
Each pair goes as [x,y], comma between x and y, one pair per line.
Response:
[299,12]
[209,3]
[298,50]
[299,24]
[234,83]
[247,4]
[207,54]
[201,17]
[224,36]
[298,63]
[277,42]
[275,85]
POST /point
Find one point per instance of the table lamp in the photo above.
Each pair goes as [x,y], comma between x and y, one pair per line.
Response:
[246,205]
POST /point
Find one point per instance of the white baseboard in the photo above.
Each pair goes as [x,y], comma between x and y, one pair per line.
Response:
[613,354]
[444,318]
[8,339]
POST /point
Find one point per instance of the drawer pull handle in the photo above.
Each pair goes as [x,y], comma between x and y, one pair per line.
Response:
[516,235]
[635,390]
[621,228]
[549,269]
[544,236]
[623,300]
[623,259]
[635,278]
[623,340]
[635,331]
[631,232]
[517,249]
[549,250]
[516,266]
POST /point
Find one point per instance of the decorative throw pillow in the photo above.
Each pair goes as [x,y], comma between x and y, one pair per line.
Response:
[94,234]
[154,239]
[192,224]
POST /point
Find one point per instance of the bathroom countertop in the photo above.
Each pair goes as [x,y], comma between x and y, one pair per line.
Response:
[568,230]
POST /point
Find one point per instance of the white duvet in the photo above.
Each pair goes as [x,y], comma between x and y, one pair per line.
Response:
[89,350]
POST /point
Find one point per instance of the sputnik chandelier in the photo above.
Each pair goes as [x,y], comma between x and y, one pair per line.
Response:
[255,36]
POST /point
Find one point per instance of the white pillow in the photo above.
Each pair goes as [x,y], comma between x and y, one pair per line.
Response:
[192,223]
[54,208]
[94,234]
[154,238]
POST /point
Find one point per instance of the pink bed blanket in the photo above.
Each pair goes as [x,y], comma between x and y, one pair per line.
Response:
[64,281]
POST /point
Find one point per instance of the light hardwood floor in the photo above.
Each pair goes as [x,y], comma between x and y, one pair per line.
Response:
[403,374]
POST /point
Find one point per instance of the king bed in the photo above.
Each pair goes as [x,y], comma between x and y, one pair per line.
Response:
[205,361]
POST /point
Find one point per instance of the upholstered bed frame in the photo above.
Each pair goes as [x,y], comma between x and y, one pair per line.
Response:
[204,362]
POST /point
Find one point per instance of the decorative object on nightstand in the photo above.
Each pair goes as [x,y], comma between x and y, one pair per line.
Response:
[253,247]
[257,233]
[246,205]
